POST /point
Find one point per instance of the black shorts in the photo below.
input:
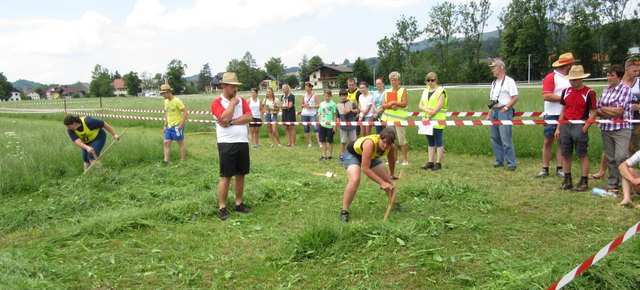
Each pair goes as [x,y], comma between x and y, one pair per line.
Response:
[256,120]
[234,159]
[326,135]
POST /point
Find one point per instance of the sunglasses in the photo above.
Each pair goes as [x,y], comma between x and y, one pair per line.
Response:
[431,80]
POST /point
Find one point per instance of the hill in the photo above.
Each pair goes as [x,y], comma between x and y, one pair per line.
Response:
[425,44]
[25,85]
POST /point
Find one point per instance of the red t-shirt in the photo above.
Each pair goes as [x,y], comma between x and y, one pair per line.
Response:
[577,103]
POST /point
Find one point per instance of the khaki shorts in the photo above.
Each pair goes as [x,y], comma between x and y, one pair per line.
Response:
[401,137]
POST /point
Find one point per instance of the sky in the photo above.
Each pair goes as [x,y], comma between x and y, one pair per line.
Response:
[62,41]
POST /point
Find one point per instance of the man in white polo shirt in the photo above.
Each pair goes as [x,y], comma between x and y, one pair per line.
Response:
[552,86]
[233,114]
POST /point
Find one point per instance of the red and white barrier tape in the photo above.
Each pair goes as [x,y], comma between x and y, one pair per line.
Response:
[411,114]
[595,258]
[377,123]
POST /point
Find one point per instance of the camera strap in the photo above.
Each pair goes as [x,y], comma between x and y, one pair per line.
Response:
[493,86]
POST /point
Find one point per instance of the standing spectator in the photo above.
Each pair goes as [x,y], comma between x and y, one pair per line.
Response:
[378,98]
[579,103]
[354,96]
[175,116]
[503,96]
[347,112]
[256,113]
[88,134]
[552,86]
[233,114]
[434,105]
[630,79]
[395,110]
[310,104]
[328,113]
[615,105]
[289,114]
[272,106]
[366,111]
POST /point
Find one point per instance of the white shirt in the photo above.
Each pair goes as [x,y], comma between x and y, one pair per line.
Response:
[634,160]
[233,133]
[366,101]
[560,84]
[503,90]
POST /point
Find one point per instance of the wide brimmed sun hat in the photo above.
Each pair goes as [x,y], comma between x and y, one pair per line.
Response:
[230,78]
[576,72]
[165,88]
[564,59]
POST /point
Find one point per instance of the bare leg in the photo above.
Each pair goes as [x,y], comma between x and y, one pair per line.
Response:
[431,151]
[183,150]
[223,189]
[546,151]
[353,172]
[167,150]
[603,167]
[439,153]
[405,150]
[238,188]
[585,165]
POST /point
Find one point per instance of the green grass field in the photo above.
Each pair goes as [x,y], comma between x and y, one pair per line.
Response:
[136,224]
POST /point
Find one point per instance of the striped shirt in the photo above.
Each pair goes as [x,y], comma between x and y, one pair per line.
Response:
[619,96]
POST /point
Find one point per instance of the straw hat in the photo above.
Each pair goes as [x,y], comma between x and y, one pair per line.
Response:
[564,59]
[576,72]
[230,78]
[165,88]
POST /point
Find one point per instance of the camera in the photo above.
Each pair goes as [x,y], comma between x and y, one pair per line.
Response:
[492,103]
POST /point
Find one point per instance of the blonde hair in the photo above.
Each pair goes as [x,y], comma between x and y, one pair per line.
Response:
[394,75]
[286,85]
[431,75]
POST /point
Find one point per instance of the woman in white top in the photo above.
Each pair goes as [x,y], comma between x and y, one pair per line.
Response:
[272,107]
[310,104]
[256,112]
[366,110]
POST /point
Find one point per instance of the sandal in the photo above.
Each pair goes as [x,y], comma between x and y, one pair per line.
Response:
[595,176]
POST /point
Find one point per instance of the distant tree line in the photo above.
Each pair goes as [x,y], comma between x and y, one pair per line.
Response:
[597,32]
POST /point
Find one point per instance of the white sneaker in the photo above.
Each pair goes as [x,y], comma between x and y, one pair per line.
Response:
[405,163]
[308,145]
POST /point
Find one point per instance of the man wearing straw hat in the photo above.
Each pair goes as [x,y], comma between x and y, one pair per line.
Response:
[176,115]
[233,114]
[552,86]
[579,103]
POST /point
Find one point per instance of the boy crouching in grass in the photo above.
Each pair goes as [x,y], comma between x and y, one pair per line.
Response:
[579,103]
[328,113]
[347,112]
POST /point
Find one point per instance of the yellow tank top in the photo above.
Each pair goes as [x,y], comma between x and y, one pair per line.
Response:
[87,135]
[357,146]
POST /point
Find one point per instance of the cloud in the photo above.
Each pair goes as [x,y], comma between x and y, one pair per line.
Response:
[56,37]
[306,44]
[244,14]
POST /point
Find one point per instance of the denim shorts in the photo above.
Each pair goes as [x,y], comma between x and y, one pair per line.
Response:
[549,130]
[309,119]
[350,159]
[436,139]
[97,145]
[271,117]
[173,133]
